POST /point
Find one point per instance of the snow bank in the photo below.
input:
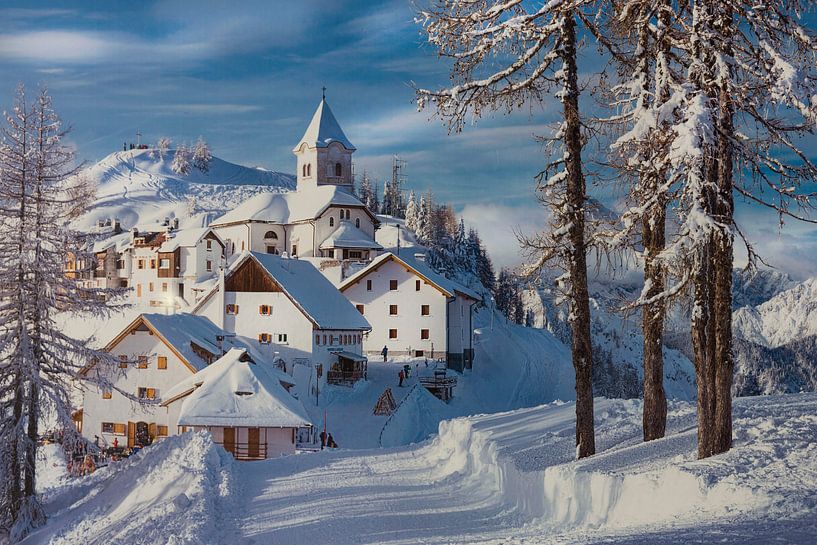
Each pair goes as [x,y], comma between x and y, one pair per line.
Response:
[175,492]
[414,419]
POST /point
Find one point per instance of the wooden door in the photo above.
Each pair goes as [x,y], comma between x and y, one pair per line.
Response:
[131,434]
[152,431]
[229,440]
[253,442]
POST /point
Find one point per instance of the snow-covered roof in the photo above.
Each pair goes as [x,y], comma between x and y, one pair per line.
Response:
[446,285]
[180,330]
[284,208]
[323,130]
[349,236]
[312,292]
[185,238]
[236,391]
[119,242]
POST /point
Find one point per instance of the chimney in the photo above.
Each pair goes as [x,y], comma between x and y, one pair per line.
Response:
[175,223]
[134,232]
[220,343]
[117,226]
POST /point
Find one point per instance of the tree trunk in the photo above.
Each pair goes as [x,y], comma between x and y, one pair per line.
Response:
[577,258]
[724,257]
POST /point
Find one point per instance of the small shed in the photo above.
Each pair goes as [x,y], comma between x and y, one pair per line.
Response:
[242,404]
[440,384]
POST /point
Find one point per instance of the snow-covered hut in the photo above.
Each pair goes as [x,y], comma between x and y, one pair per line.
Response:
[242,404]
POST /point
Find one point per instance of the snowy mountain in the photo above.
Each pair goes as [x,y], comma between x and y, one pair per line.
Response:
[138,187]
[788,316]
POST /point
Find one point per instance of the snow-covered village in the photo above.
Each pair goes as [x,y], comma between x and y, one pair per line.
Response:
[408,272]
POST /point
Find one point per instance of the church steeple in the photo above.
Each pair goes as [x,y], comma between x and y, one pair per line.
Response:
[324,153]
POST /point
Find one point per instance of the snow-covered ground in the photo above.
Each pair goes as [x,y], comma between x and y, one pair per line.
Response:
[505,478]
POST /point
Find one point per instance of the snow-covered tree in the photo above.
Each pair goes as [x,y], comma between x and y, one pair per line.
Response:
[40,364]
[505,55]
[202,156]
[368,194]
[162,146]
[181,160]
[411,212]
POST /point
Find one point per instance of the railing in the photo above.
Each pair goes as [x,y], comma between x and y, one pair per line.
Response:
[343,377]
[438,382]
[246,451]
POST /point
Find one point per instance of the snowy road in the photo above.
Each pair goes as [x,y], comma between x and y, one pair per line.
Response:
[511,478]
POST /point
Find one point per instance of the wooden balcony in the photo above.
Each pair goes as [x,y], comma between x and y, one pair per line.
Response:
[246,451]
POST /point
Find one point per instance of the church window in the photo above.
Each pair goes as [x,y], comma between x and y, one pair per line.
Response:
[348,214]
[338,169]
[271,234]
[357,222]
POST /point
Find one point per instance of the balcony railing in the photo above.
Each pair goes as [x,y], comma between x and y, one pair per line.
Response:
[246,451]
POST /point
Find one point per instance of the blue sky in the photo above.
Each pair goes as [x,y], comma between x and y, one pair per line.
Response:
[248,75]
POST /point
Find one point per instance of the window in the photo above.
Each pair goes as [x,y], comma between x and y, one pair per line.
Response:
[164,263]
[309,169]
[209,244]
[272,250]
[282,337]
[424,334]
[116,429]
[347,214]
[161,363]
[331,221]
[331,340]
[264,338]
[340,213]
[416,285]
[209,265]
[150,286]
[232,309]
[271,234]
[106,394]
[425,310]
[107,427]
[393,285]
[120,264]
[242,245]
[324,340]
[317,340]
[123,361]
[164,287]
[368,285]
[152,263]
[338,169]
[146,393]
[357,223]
[140,263]
[265,310]
[359,308]
[392,310]
[294,250]
[392,334]
[142,362]
[303,171]
[161,431]
[355,254]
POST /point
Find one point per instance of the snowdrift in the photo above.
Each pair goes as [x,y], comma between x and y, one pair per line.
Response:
[173,492]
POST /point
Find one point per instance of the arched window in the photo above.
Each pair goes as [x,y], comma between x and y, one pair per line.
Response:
[309,169]
[338,169]
[303,171]
[348,214]
[271,234]
[357,223]
[331,221]
[340,212]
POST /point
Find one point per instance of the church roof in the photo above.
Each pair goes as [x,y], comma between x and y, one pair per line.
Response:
[284,208]
[349,236]
[324,129]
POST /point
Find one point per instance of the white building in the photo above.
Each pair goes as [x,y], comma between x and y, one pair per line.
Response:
[156,352]
[242,405]
[413,309]
[322,218]
[291,311]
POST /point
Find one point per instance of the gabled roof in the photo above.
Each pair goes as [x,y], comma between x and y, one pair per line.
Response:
[323,130]
[118,242]
[309,290]
[178,331]
[236,391]
[283,208]
[445,285]
[187,238]
[349,236]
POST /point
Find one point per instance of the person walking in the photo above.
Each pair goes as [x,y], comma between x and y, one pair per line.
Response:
[385,353]
[402,375]
[323,439]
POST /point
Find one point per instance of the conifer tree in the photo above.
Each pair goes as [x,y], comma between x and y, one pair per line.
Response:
[202,156]
[411,212]
[181,160]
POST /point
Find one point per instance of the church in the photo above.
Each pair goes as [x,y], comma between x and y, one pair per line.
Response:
[322,218]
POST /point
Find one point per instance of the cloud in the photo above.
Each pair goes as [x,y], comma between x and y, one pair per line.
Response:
[498,225]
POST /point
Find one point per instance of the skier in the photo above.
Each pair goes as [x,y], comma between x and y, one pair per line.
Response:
[402,375]
[385,353]
[115,442]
